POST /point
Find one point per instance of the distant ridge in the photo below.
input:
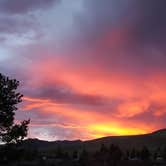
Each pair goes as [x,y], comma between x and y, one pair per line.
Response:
[160,132]
[152,141]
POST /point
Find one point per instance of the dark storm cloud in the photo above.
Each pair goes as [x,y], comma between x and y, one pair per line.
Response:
[147,29]
[151,20]
[149,23]
[145,18]
[24,6]
[101,17]
[128,34]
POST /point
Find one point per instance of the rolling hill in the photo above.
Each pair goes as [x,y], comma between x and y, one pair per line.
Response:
[152,141]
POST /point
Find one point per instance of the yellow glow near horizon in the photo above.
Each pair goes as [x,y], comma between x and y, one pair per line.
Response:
[108,130]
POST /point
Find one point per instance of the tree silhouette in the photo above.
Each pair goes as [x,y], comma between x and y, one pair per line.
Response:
[75,154]
[127,155]
[9,98]
[103,155]
[164,153]
[157,153]
[133,153]
[59,153]
[84,158]
[115,154]
[144,154]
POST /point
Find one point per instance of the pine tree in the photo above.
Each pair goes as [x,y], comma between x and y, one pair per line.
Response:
[144,154]
[9,98]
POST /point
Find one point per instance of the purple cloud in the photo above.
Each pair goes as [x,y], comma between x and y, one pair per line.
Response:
[24,6]
[63,94]
[14,25]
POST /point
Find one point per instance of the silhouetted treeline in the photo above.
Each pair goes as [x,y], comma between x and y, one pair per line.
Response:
[105,156]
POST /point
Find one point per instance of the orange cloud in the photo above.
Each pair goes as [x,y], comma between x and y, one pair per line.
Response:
[86,121]
[129,108]
[134,96]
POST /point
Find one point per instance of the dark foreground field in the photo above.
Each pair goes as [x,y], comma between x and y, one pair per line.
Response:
[140,150]
[58,162]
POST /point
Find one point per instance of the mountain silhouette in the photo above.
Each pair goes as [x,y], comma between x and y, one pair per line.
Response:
[152,141]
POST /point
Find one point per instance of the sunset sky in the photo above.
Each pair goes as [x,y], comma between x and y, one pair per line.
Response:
[87,68]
